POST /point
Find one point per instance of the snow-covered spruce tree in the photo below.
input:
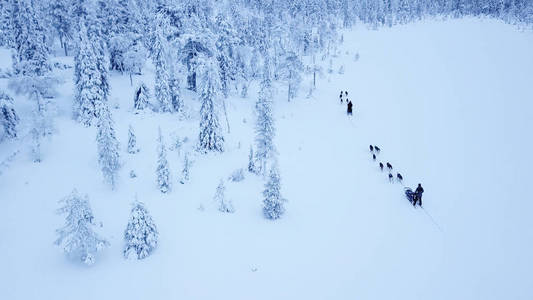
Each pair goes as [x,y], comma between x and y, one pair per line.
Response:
[6,36]
[273,202]
[31,51]
[77,238]
[163,171]
[177,103]
[91,91]
[108,147]
[210,137]
[132,141]
[35,145]
[162,77]
[185,173]
[225,45]
[291,73]
[251,161]
[123,26]
[134,59]
[141,233]
[141,99]
[61,20]
[31,67]
[223,204]
[8,116]
[264,128]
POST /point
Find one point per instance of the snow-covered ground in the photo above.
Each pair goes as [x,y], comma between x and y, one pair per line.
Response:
[450,103]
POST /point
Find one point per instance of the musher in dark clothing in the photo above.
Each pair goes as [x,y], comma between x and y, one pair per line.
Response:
[349,107]
[417,196]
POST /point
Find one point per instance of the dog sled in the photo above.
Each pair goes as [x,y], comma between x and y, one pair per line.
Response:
[410,195]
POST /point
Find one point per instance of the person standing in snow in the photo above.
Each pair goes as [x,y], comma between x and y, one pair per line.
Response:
[340,97]
[418,195]
[349,111]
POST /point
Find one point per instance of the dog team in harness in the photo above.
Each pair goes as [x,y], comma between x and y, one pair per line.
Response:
[415,197]
[349,103]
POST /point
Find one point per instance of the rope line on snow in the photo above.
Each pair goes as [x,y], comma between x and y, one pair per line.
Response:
[432,219]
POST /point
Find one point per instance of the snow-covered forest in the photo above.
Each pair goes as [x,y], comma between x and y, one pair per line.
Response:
[199,149]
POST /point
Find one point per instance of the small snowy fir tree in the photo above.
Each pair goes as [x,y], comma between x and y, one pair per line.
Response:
[141,234]
[77,238]
[8,117]
[132,141]
[35,145]
[237,175]
[273,202]
[210,138]
[185,173]
[108,147]
[251,161]
[162,171]
[224,205]
[141,99]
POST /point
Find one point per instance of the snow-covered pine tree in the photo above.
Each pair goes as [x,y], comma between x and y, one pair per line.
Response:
[223,204]
[132,141]
[77,238]
[8,116]
[108,147]
[141,99]
[264,128]
[162,77]
[141,233]
[210,137]
[91,92]
[163,171]
[273,202]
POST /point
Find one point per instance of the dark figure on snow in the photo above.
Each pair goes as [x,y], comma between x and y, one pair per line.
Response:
[389,166]
[399,176]
[391,178]
[381,166]
[377,149]
[345,93]
[349,107]
[340,96]
[373,157]
[371,148]
[418,195]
